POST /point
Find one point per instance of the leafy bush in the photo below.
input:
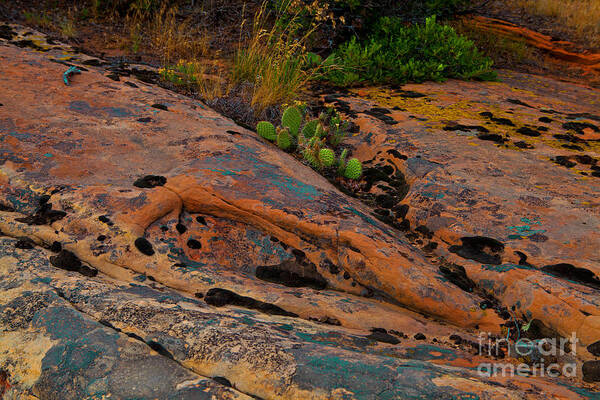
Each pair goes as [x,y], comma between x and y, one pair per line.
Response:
[397,53]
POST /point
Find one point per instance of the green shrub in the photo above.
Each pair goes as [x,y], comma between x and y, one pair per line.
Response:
[397,53]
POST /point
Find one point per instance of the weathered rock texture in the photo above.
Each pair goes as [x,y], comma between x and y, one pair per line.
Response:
[151,244]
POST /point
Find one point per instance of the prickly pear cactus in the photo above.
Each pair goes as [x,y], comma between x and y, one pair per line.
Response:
[266,130]
[353,169]
[310,128]
[326,157]
[292,119]
[284,140]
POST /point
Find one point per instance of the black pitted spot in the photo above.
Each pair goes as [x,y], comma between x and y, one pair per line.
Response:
[333,269]
[145,119]
[591,371]
[499,121]
[492,137]
[44,214]
[199,295]
[105,219]
[194,244]
[144,246]
[542,128]
[594,348]
[572,273]
[292,274]
[420,336]
[6,32]
[24,243]
[93,62]
[519,103]
[201,219]
[397,154]
[523,145]
[222,381]
[465,128]
[480,248]
[133,85]
[233,132]
[456,339]
[409,94]
[457,275]
[572,147]
[113,76]
[220,297]
[69,262]
[55,247]
[381,335]
[545,120]
[157,347]
[385,200]
[382,116]
[579,127]
[527,131]
[181,228]
[564,161]
[160,106]
[585,159]
[522,258]
[150,181]
[101,238]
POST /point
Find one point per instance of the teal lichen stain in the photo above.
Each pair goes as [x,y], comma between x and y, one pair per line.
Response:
[41,280]
[426,352]
[523,231]
[315,338]
[285,327]
[226,172]
[267,246]
[434,196]
[48,155]
[363,216]
[301,189]
[504,267]
[20,136]
[580,391]
[247,321]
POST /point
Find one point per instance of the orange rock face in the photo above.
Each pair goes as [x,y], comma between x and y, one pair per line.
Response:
[145,228]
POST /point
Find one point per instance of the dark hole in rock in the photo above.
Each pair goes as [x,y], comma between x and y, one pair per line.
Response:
[44,214]
[24,243]
[106,220]
[591,371]
[572,147]
[579,127]
[144,246]
[181,228]
[133,85]
[194,244]
[68,261]
[456,339]
[397,154]
[134,336]
[160,106]
[381,335]
[157,347]
[101,238]
[409,94]
[333,269]
[518,102]
[222,381]
[572,273]
[201,220]
[457,275]
[145,119]
[326,320]
[585,159]
[233,132]
[594,348]
[199,295]
[523,145]
[420,336]
[542,128]
[150,181]
[292,274]
[545,120]
[480,248]
[538,330]
[220,297]
[564,161]
[527,131]
[55,247]
[113,76]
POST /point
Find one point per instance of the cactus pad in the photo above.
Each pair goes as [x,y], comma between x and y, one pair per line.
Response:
[310,128]
[292,118]
[284,141]
[266,130]
[326,157]
[353,169]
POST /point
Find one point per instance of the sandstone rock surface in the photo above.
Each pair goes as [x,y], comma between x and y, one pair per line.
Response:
[152,248]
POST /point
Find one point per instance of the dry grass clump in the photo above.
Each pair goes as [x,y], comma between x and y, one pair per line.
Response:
[274,60]
[582,16]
